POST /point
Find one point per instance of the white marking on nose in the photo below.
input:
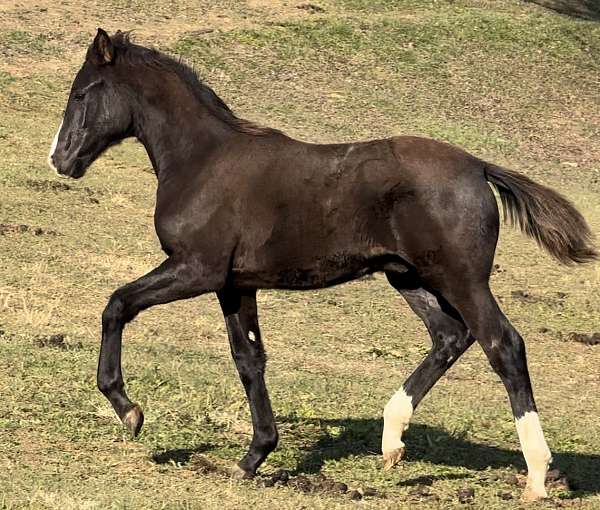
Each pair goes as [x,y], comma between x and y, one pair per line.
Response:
[53,149]
[251,336]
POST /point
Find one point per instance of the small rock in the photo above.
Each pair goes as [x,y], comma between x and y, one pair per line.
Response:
[340,487]
[202,465]
[420,491]
[560,483]
[267,482]
[592,339]
[355,495]
[552,475]
[281,475]
[52,341]
[326,484]
[466,495]
[47,185]
[7,228]
[56,340]
[521,479]
[543,330]
[201,31]
[312,8]
[564,483]
[370,492]
[505,496]
[301,483]
[512,480]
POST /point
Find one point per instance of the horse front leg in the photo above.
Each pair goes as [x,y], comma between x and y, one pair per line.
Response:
[171,281]
[241,318]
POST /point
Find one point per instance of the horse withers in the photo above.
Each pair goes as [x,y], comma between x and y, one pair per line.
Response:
[242,207]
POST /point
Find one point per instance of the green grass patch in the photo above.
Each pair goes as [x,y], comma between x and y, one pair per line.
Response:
[23,43]
[511,82]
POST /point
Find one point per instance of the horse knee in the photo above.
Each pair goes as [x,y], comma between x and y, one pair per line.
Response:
[506,353]
[449,338]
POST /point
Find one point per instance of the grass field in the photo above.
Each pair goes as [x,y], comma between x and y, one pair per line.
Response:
[509,81]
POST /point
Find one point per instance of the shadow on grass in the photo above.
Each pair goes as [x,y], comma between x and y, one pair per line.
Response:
[180,455]
[586,9]
[437,446]
[362,437]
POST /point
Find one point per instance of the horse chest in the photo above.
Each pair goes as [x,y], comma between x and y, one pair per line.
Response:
[194,226]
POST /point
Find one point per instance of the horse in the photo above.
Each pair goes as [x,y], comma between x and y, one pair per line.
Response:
[242,207]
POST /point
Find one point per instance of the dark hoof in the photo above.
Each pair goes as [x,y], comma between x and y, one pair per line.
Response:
[239,474]
[134,419]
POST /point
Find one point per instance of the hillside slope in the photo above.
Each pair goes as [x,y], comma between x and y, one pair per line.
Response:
[510,81]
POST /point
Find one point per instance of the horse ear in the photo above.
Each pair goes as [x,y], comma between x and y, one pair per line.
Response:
[104,50]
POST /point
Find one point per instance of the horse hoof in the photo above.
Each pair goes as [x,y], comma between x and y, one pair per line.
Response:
[239,474]
[390,459]
[530,496]
[134,419]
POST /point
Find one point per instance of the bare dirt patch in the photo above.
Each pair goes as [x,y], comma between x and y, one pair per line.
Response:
[583,338]
[10,228]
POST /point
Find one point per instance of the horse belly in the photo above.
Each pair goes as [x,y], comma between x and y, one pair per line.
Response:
[323,271]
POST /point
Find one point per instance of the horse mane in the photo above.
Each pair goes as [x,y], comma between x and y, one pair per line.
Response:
[136,55]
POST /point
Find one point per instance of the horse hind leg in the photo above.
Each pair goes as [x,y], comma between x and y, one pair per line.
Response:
[505,351]
[450,339]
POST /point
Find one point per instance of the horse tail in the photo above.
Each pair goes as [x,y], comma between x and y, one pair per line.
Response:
[543,214]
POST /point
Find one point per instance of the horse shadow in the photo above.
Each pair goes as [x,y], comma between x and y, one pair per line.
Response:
[180,455]
[362,437]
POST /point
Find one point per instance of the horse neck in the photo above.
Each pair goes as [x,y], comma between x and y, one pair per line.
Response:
[176,129]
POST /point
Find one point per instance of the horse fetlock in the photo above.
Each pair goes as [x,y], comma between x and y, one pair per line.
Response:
[396,417]
[536,479]
[109,385]
[134,419]
[266,438]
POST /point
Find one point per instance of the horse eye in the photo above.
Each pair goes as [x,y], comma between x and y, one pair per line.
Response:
[78,96]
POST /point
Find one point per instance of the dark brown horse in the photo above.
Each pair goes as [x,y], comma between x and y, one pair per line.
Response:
[242,207]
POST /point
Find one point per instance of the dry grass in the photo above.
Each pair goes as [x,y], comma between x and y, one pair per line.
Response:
[510,81]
